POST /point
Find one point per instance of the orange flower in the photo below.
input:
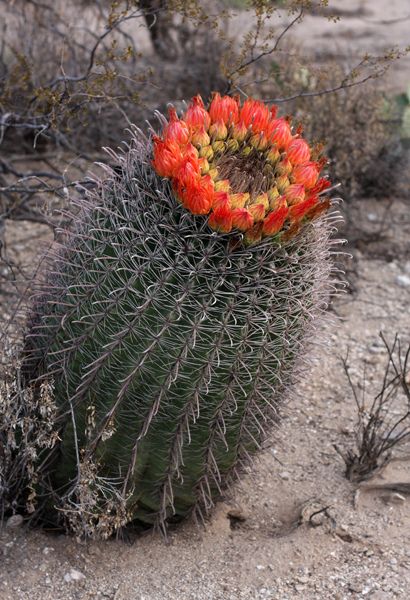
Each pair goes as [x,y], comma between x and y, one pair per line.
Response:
[321,185]
[221,200]
[306,174]
[200,137]
[196,117]
[167,157]
[295,193]
[221,220]
[284,167]
[225,109]
[298,211]
[257,211]
[176,130]
[273,223]
[242,166]
[189,172]
[298,152]
[279,133]
[255,115]
[197,196]
[242,219]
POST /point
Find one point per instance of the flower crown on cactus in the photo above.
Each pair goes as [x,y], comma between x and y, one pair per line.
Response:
[242,166]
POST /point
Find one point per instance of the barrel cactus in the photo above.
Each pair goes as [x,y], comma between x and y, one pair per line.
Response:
[175,314]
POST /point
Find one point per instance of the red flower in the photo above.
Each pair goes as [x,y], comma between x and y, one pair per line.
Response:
[321,185]
[255,115]
[196,117]
[298,211]
[198,196]
[242,219]
[298,152]
[280,133]
[257,211]
[306,174]
[225,109]
[221,200]
[295,193]
[188,173]
[275,220]
[221,220]
[167,157]
[241,165]
[176,130]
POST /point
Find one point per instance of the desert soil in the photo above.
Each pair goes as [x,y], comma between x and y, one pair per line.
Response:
[356,545]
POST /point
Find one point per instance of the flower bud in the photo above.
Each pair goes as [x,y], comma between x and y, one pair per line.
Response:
[239,200]
[259,141]
[282,183]
[262,199]
[284,167]
[221,220]
[232,145]
[206,152]
[298,152]
[257,211]
[196,117]
[242,219]
[295,193]
[218,147]
[218,131]
[307,174]
[200,138]
[275,220]
[221,200]
[222,185]
[273,195]
[176,130]
[204,166]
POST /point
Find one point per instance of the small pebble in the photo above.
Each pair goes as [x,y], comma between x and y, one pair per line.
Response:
[403,280]
[14,522]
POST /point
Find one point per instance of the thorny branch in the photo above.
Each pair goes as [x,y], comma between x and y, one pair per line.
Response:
[384,422]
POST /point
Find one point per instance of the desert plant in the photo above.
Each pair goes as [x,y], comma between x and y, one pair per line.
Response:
[383,423]
[174,318]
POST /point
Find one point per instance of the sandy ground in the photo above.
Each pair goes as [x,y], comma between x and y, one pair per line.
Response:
[353,550]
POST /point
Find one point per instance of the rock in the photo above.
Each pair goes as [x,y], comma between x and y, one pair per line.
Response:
[403,280]
[284,475]
[14,522]
[238,514]
[73,575]
[393,498]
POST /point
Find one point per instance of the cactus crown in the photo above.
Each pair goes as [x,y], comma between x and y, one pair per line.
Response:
[242,166]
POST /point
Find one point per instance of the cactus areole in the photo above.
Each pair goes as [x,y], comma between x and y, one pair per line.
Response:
[173,318]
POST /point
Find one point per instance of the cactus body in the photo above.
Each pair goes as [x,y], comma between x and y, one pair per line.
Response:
[170,345]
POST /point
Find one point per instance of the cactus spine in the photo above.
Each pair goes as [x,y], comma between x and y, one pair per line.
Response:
[170,346]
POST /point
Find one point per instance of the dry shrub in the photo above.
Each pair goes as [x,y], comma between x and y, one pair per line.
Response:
[26,427]
[361,142]
[383,422]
